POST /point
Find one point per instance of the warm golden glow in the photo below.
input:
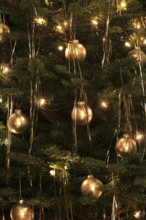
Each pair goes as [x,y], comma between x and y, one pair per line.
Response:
[94,21]
[41,102]
[122,5]
[139,136]
[5,68]
[59,28]
[127,44]
[139,214]
[52,172]
[144,41]
[104,104]
[40,21]
[60,48]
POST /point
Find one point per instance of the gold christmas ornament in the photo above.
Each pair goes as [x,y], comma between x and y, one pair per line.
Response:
[75,51]
[81,113]
[92,187]
[22,211]
[126,147]
[4,32]
[138,54]
[17,122]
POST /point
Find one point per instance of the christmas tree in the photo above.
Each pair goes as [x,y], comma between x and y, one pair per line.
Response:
[73,109]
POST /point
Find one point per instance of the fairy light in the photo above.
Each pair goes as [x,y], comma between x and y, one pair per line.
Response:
[65,23]
[94,21]
[59,28]
[52,172]
[40,21]
[139,214]
[104,104]
[60,48]
[138,26]
[122,5]
[41,102]
[144,41]
[5,68]
[139,136]
[65,167]
[127,44]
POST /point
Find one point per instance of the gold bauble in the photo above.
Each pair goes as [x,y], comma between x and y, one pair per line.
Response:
[126,147]
[75,51]
[138,54]
[17,122]
[4,32]
[22,212]
[81,113]
[92,187]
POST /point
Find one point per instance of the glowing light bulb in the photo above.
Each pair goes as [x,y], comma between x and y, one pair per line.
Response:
[60,48]
[94,21]
[52,172]
[40,21]
[123,5]
[139,214]
[104,104]
[144,41]
[127,44]
[65,167]
[139,136]
[138,26]
[65,23]
[5,68]
[59,28]
[41,102]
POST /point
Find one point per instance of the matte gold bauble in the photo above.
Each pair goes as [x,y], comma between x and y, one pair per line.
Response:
[75,51]
[138,54]
[4,32]
[22,212]
[126,147]
[92,187]
[17,122]
[81,113]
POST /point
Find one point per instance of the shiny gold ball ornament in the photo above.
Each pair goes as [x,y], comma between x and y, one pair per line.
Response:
[4,32]
[17,122]
[75,51]
[92,187]
[81,113]
[126,147]
[138,54]
[22,211]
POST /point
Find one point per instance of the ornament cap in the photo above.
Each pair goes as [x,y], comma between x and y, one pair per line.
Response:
[126,136]
[90,176]
[75,41]
[18,111]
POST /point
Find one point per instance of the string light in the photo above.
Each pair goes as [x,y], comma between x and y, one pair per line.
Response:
[52,172]
[122,5]
[144,41]
[104,104]
[5,68]
[40,21]
[59,28]
[65,23]
[139,136]
[139,214]
[127,44]
[60,48]
[94,21]
[41,102]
